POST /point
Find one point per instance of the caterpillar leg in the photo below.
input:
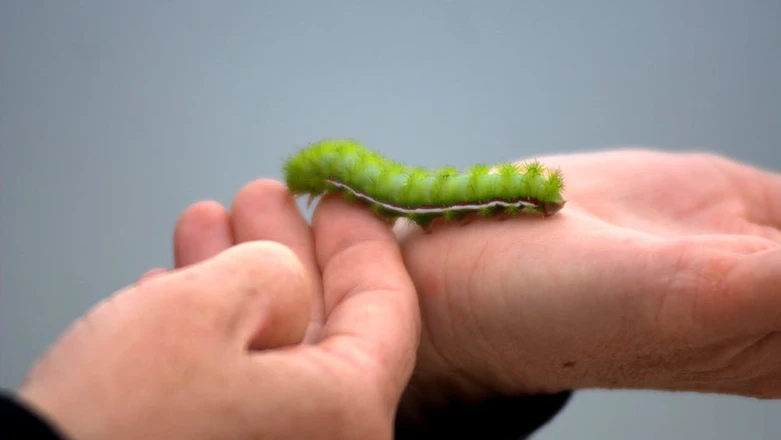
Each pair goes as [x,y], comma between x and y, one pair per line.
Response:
[390,220]
[423,221]
[548,209]
[466,219]
[507,213]
[311,198]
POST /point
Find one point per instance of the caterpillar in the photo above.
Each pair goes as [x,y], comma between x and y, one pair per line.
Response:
[393,190]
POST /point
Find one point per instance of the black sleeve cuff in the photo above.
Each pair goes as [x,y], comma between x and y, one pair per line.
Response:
[18,421]
[501,418]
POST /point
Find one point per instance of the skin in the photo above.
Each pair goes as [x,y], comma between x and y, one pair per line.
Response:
[662,272]
[635,284]
[213,349]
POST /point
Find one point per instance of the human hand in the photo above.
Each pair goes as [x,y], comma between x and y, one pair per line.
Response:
[662,272]
[213,348]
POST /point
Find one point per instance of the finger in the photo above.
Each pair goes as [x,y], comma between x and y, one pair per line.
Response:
[265,210]
[256,293]
[370,300]
[202,232]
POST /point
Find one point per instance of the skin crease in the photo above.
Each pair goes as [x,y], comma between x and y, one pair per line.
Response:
[212,349]
[662,272]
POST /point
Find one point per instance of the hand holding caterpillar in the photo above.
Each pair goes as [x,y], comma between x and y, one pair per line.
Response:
[394,190]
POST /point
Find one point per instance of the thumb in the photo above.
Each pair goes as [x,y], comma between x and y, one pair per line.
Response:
[258,293]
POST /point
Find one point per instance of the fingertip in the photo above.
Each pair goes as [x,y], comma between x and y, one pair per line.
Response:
[205,211]
[337,219]
[260,188]
[202,231]
[349,233]
[265,210]
[339,226]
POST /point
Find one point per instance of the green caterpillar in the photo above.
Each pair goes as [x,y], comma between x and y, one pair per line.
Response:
[394,190]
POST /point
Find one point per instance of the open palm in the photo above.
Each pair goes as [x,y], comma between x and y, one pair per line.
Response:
[663,271]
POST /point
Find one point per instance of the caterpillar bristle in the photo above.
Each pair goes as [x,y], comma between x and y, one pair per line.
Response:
[485,212]
[479,170]
[393,190]
[507,170]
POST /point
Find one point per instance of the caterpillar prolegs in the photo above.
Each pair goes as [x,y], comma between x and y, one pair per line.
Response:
[393,190]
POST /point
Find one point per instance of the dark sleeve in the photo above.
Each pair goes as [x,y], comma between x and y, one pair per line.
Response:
[501,418]
[506,418]
[19,421]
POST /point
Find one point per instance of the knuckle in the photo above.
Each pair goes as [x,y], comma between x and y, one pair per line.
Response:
[274,263]
[267,255]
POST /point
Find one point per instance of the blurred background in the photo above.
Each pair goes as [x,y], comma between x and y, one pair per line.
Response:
[115,116]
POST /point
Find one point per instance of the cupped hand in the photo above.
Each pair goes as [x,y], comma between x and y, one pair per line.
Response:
[213,349]
[663,271]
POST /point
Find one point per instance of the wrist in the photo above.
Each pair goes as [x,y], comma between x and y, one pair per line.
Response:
[479,370]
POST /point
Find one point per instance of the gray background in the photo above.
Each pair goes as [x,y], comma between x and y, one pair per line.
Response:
[115,116]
